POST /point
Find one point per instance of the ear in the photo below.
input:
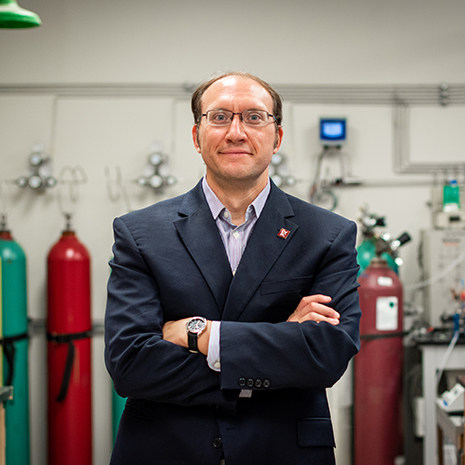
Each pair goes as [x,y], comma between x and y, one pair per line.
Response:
[195,137]
[278,139]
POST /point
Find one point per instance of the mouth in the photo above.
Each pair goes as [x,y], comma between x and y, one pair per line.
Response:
[235,152]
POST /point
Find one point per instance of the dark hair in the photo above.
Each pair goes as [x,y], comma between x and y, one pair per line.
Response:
[196,101]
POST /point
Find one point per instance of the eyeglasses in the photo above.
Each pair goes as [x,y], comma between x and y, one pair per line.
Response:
[253,118]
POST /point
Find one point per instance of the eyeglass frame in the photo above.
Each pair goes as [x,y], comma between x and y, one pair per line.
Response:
[240,118]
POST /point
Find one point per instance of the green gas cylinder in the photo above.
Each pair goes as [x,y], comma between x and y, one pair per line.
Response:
[15,348]
[118,404]
[366,251]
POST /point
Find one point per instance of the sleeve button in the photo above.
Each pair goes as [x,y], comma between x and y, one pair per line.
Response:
[250,383]
[258,383]
[217,443]
[242,382]
[266,383]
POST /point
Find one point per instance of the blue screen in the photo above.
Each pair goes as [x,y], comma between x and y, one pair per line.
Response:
[332,129]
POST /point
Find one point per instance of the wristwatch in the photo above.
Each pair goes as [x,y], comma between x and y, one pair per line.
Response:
[195,327]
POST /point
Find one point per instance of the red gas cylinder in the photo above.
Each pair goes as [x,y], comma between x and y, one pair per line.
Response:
[378,368]
[69,353]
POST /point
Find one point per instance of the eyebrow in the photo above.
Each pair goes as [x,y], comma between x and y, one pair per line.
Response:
[247,109]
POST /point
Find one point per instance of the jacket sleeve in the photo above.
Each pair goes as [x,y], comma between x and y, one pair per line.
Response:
[306,355]
[140,362]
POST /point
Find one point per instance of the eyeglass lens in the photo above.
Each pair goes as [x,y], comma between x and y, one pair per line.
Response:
[248,117]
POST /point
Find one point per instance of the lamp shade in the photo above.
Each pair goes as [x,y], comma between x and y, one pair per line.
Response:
[12,16]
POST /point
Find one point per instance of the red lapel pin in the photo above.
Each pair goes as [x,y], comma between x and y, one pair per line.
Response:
[283,233]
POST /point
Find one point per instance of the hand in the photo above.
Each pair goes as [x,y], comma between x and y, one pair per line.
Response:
[175,332]
[313,308]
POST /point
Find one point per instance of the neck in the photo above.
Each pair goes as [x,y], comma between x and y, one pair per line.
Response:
[236,197]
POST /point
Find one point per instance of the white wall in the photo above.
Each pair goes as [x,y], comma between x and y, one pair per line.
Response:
[297,41]
[294,42]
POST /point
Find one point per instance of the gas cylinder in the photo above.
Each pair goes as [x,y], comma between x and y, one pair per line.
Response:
[15,344]
[69,352]
[378,368]
[118,404]
[366,251]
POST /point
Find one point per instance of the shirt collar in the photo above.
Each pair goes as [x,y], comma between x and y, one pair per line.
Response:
[216,207]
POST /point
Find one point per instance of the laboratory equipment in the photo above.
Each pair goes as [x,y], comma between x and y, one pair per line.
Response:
[69,352]
[332,131]
[378,368]
[442,260]
[15,343]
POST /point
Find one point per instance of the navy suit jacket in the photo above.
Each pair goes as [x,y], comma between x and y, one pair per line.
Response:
[170,263]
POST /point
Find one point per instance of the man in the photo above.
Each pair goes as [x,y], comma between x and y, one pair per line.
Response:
[231,308]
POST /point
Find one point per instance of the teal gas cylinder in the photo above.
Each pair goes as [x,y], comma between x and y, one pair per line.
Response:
[366,251]
[118,404]
[15,348]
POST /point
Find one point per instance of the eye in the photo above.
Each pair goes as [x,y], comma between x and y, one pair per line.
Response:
[255,116]
[219,116]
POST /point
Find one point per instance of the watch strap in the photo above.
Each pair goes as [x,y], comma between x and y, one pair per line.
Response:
[192,339]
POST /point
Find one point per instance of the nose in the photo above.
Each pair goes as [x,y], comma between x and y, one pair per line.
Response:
[236,129]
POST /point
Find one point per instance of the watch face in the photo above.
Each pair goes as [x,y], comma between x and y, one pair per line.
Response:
[196,325]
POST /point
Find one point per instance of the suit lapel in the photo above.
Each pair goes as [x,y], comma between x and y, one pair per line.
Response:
[202,239]
[263,249]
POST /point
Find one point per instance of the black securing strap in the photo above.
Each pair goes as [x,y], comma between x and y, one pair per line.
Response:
[372,337]
[67,339]
[9,349]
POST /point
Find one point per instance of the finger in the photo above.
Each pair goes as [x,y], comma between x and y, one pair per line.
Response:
[321,298]
[316,313]
[319,319]
[326,311]
[316,309]
[307,303]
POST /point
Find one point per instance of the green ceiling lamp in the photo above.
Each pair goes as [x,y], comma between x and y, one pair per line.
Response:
[12,16]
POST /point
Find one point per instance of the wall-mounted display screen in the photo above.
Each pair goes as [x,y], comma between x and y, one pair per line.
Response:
[332,131]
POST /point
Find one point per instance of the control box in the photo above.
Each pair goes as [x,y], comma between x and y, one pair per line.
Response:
[452,400]
[442,257]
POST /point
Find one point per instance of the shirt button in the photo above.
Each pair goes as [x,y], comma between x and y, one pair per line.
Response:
[266,383]
[242,382]
[217,443]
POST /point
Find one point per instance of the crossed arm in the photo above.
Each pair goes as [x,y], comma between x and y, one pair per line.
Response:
[310,308]
[146,355]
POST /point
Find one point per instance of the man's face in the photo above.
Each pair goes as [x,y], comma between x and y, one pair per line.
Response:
[236,153]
